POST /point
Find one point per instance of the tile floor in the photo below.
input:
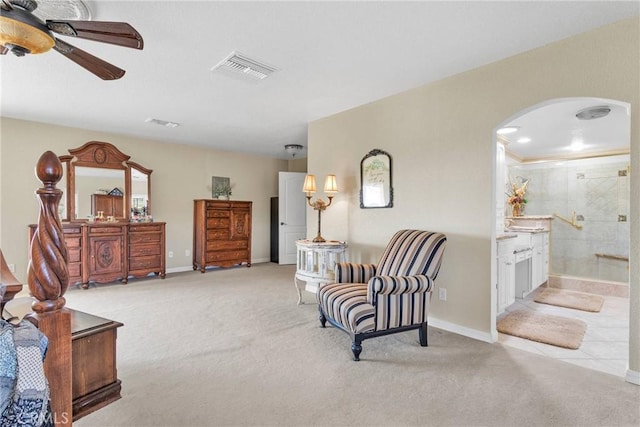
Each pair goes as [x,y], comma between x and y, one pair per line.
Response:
[605,346]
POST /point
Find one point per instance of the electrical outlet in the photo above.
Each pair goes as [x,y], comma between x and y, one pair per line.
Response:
[12,268]
[187,252]
[442,294]
[170,254]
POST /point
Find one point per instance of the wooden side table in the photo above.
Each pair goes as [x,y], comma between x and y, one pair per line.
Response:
[316,263]
[95,375]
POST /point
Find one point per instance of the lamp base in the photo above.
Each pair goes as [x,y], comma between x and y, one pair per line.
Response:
[318,239]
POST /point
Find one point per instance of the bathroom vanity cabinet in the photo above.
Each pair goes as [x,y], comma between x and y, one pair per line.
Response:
[522,265]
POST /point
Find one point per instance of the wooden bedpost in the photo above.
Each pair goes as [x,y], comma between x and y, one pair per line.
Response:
[48,279]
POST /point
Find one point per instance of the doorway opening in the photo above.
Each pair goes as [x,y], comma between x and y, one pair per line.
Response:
[570,158]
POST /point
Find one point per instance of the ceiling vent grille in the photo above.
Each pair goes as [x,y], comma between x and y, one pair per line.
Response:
[162,123]
[240,65]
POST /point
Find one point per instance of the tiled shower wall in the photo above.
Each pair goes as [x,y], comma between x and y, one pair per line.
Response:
[598,191]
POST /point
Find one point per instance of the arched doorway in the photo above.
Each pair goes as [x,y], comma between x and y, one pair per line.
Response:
[572,155]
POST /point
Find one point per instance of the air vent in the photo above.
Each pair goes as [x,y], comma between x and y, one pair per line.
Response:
[163,123]
[240,65]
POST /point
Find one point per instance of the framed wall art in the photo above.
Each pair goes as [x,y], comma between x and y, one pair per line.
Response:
[376,190]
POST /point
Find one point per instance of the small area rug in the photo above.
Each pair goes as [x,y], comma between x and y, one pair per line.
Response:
[544,328]
[570,299]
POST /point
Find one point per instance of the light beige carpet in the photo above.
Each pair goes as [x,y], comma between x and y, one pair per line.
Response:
[232,348]
[555,330]
[570,299]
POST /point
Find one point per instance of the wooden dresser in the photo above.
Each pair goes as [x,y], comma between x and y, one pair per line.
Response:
[102,252]
[221,233]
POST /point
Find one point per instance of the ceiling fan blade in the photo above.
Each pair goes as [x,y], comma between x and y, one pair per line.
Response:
[118,33]
[97,66]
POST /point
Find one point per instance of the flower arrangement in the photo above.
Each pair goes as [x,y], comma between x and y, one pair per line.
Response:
[516,197]
[222,190]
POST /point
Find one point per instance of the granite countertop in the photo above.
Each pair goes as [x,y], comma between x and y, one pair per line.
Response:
[531,230]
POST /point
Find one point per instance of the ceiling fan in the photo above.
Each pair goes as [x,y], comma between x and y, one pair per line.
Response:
[21,32]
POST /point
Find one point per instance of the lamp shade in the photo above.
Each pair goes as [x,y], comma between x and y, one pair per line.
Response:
[331,184]
[309,185]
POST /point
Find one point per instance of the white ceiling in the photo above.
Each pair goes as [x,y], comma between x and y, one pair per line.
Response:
[554,127]
[332,56]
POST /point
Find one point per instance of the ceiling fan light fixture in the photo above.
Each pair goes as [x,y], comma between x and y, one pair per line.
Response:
[16,33]
[591,113]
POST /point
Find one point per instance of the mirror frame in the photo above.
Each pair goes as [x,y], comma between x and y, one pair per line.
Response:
[129,183]
[384,176]
[98,154]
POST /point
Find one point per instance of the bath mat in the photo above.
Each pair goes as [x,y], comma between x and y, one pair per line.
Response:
[544,328]
[570,299]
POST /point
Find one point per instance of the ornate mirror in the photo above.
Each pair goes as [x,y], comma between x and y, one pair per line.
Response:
[376,190]
[100,180]
[139,183]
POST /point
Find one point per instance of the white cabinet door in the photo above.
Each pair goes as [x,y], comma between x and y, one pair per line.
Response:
[506,286]
[540,261]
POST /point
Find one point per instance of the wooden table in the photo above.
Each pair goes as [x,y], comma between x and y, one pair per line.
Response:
[95,377]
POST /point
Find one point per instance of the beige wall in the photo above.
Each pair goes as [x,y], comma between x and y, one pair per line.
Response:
[181,173]
[297,165]
[441,138]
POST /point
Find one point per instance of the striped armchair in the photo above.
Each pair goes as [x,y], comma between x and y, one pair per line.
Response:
[369,300]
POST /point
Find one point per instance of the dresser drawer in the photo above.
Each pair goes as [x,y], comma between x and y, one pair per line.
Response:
[140,228]
[71,229]
[217,235]
[105,230]
[143,250]
[72,242]
[218,204]
[138,238]
[218,223]
[227,245]
[227,255]
[73,254]
[217,213]
[75,269]
[145,262]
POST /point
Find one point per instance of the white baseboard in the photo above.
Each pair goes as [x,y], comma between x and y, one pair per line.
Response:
[461,330]
[633,377]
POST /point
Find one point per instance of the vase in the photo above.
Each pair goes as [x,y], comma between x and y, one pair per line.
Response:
[517,210]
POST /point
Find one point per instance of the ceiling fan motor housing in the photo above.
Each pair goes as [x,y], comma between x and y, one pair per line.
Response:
[21,31]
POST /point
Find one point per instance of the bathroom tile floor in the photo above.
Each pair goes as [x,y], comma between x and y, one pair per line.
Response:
[605,346]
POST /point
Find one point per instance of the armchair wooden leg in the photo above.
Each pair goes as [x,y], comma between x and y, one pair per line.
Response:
[356,348]
[422,333]
[322,318]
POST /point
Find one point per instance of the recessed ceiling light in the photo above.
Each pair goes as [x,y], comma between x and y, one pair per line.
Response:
[507,130]
[524,140]
[577,146]
[591,113]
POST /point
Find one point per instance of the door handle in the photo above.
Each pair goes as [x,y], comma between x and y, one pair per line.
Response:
[283,223]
